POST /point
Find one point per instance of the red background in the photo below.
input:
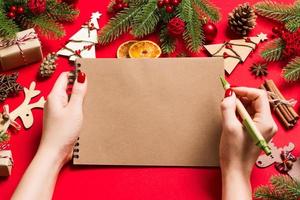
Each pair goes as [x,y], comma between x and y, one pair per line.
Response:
[138,182]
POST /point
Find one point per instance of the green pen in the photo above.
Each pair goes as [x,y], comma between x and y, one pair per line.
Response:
[248,123]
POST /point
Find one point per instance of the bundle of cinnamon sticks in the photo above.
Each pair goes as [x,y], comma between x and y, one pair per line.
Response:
[282,108]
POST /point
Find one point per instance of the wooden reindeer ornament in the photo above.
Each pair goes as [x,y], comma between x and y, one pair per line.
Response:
[23,111]
[285,162]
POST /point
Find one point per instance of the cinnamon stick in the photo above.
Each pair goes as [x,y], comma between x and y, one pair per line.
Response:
[285,112]
[277,111]
[290,108]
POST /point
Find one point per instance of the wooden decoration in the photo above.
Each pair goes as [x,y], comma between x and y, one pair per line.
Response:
[23,111]
[284,161]
[235,51]
[6,162]
[82,44]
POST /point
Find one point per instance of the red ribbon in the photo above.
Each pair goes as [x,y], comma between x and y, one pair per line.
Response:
[287,162]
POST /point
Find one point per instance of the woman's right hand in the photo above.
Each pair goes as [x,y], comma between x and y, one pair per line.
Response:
[237,149]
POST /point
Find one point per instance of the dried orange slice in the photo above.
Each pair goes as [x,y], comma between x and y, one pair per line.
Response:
[144,49]
[123,50]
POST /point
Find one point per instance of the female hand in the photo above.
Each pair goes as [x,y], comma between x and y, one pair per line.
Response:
[63,118]
[238,152]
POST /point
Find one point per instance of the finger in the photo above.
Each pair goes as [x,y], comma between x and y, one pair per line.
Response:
[78,93]
[228,110]
[258,97]
[58,95]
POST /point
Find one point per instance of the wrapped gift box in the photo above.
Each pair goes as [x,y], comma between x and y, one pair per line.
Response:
[6,162]
[23,50]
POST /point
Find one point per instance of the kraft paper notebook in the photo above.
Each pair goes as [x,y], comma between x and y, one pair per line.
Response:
[151,112]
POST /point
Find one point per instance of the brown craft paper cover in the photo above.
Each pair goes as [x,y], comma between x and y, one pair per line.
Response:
[11,58]
[155,112]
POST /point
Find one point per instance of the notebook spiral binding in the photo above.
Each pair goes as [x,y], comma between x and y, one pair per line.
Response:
[76,149]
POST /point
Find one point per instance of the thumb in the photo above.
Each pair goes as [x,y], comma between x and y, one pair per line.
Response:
[79,90]
[228,109]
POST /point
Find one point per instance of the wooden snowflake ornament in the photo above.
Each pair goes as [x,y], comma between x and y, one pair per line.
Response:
[235,51]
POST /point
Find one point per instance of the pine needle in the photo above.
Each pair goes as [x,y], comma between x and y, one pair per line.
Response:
[193,35]
[273,50]
[47,27]
[146,20]
[118,25]
[208,9]
[8,28]
[292,71]
[167,43]
[287,14]
[4,136]
[61,12]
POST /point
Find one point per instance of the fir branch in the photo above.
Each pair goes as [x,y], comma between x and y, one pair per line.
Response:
[282,188]
[208,9]
[61,12]
[292,71]
[4,136]
[146,20]
[167,43]
[118,25]
[287,14]
[8,28]
[273,50]
[274,10]
[48,27]
[193,34]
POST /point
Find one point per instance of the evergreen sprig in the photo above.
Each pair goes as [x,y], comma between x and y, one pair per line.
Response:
[48,23]
[143,17]
[61,12]
[119,25]
[208,9]
[167,43]
[193,35]
[287,14]
[282,188]
[292,71]
[8,28]
[146,20]
[273,50]
[48,27]
[3,136]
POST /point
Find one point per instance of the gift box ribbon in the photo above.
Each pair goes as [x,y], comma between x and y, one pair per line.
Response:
[19,42]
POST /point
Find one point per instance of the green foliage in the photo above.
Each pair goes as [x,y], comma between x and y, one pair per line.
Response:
[282,188]
[47,23]
[119,25]
[4,136]
[273,50]
[292,71]
[193,35]
[61,12]
[48,27]
[208,9]
[143,17]
[146,20]
[167,43]
[8,28]
[287,14]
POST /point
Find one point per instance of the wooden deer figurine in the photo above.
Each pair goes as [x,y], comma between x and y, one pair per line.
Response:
[265,161]
[24,110]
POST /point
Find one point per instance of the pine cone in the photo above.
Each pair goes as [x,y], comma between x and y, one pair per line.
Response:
[242,19]
[48,65]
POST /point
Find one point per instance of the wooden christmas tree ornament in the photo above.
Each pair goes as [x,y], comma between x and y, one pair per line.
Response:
[235,51]
[82,44]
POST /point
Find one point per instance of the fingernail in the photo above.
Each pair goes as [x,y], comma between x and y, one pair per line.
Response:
[81,77]
[228,93]
[233,86]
